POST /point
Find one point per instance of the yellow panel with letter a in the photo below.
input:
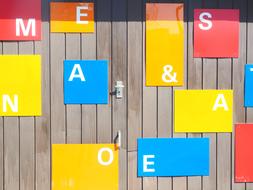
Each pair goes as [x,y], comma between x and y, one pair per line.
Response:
[203,111]
[20,85]
[164,44]
[84,166]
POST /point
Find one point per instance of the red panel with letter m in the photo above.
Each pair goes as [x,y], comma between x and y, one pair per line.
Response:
[20,20]
[216,33]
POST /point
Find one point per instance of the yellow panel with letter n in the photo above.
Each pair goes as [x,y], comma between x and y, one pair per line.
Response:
[203,111]
[20,85]
[84,166]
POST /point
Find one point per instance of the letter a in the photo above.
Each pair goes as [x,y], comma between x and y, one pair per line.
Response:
[220,102]
[74,75]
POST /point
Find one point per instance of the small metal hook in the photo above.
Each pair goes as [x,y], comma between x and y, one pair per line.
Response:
[118,139]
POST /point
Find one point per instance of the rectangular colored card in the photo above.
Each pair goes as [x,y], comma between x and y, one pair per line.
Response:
[173,157]
[243,153]
[20,20]
[248,95]
[20,82]
[198,111]
[86,82]
[216,33]
[73,17]
[85,166]
[164,44]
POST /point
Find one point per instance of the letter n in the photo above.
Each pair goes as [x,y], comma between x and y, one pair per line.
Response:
[12,104]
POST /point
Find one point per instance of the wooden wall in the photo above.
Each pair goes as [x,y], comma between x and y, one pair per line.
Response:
[25,142]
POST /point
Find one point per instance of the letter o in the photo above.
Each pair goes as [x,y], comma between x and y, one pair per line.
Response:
[101,161]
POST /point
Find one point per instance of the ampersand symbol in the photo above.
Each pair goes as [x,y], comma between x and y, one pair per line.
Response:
[167,75]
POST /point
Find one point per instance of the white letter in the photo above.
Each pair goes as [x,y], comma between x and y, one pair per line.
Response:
[208,22]
[146,163]
[223,103]
[79,75]
[7,100]
[25,30]
[79,15]
[100,152]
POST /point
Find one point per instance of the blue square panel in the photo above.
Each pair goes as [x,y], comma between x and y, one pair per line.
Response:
[85,82]
[173,157]
[248,95]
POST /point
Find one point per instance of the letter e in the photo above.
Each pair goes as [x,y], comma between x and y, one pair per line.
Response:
[147,163]
[79,15]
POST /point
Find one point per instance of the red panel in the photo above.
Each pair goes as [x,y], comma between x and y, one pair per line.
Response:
[222,38]
[10,10]
[244,153]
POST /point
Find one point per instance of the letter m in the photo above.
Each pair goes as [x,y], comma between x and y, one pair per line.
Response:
[20,26]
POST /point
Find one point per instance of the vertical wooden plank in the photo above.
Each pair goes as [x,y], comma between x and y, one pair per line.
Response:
[11,138]
[224,139]
[209,82]
[133,181]
[238,81]
[1,142]
[135,50]
[103,16]
[249,115]
[89,112]
[119,73]
[149,128]
[180,183]
[194,76]
[43,127]
[73,112]
[165,126]
[249,60]
[26,137]
[58,125]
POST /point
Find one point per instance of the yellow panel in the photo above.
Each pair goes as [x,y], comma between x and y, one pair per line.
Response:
[164,44]
[20,76]
[71,27]
[203,110]
[77,167]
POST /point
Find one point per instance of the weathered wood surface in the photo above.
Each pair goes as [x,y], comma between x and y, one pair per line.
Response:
[25,142]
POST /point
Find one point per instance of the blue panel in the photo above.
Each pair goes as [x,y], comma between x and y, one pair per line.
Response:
[92,90]
[173,157]
[248,98]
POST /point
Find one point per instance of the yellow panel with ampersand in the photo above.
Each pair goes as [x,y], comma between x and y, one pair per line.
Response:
[164,44]
[84,166]
[20,85]
[203,111]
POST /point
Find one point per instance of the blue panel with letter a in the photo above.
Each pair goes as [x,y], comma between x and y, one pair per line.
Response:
[173,157]
[85,82]
[248,95]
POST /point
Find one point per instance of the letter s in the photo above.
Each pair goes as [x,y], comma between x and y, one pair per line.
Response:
[203,20]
